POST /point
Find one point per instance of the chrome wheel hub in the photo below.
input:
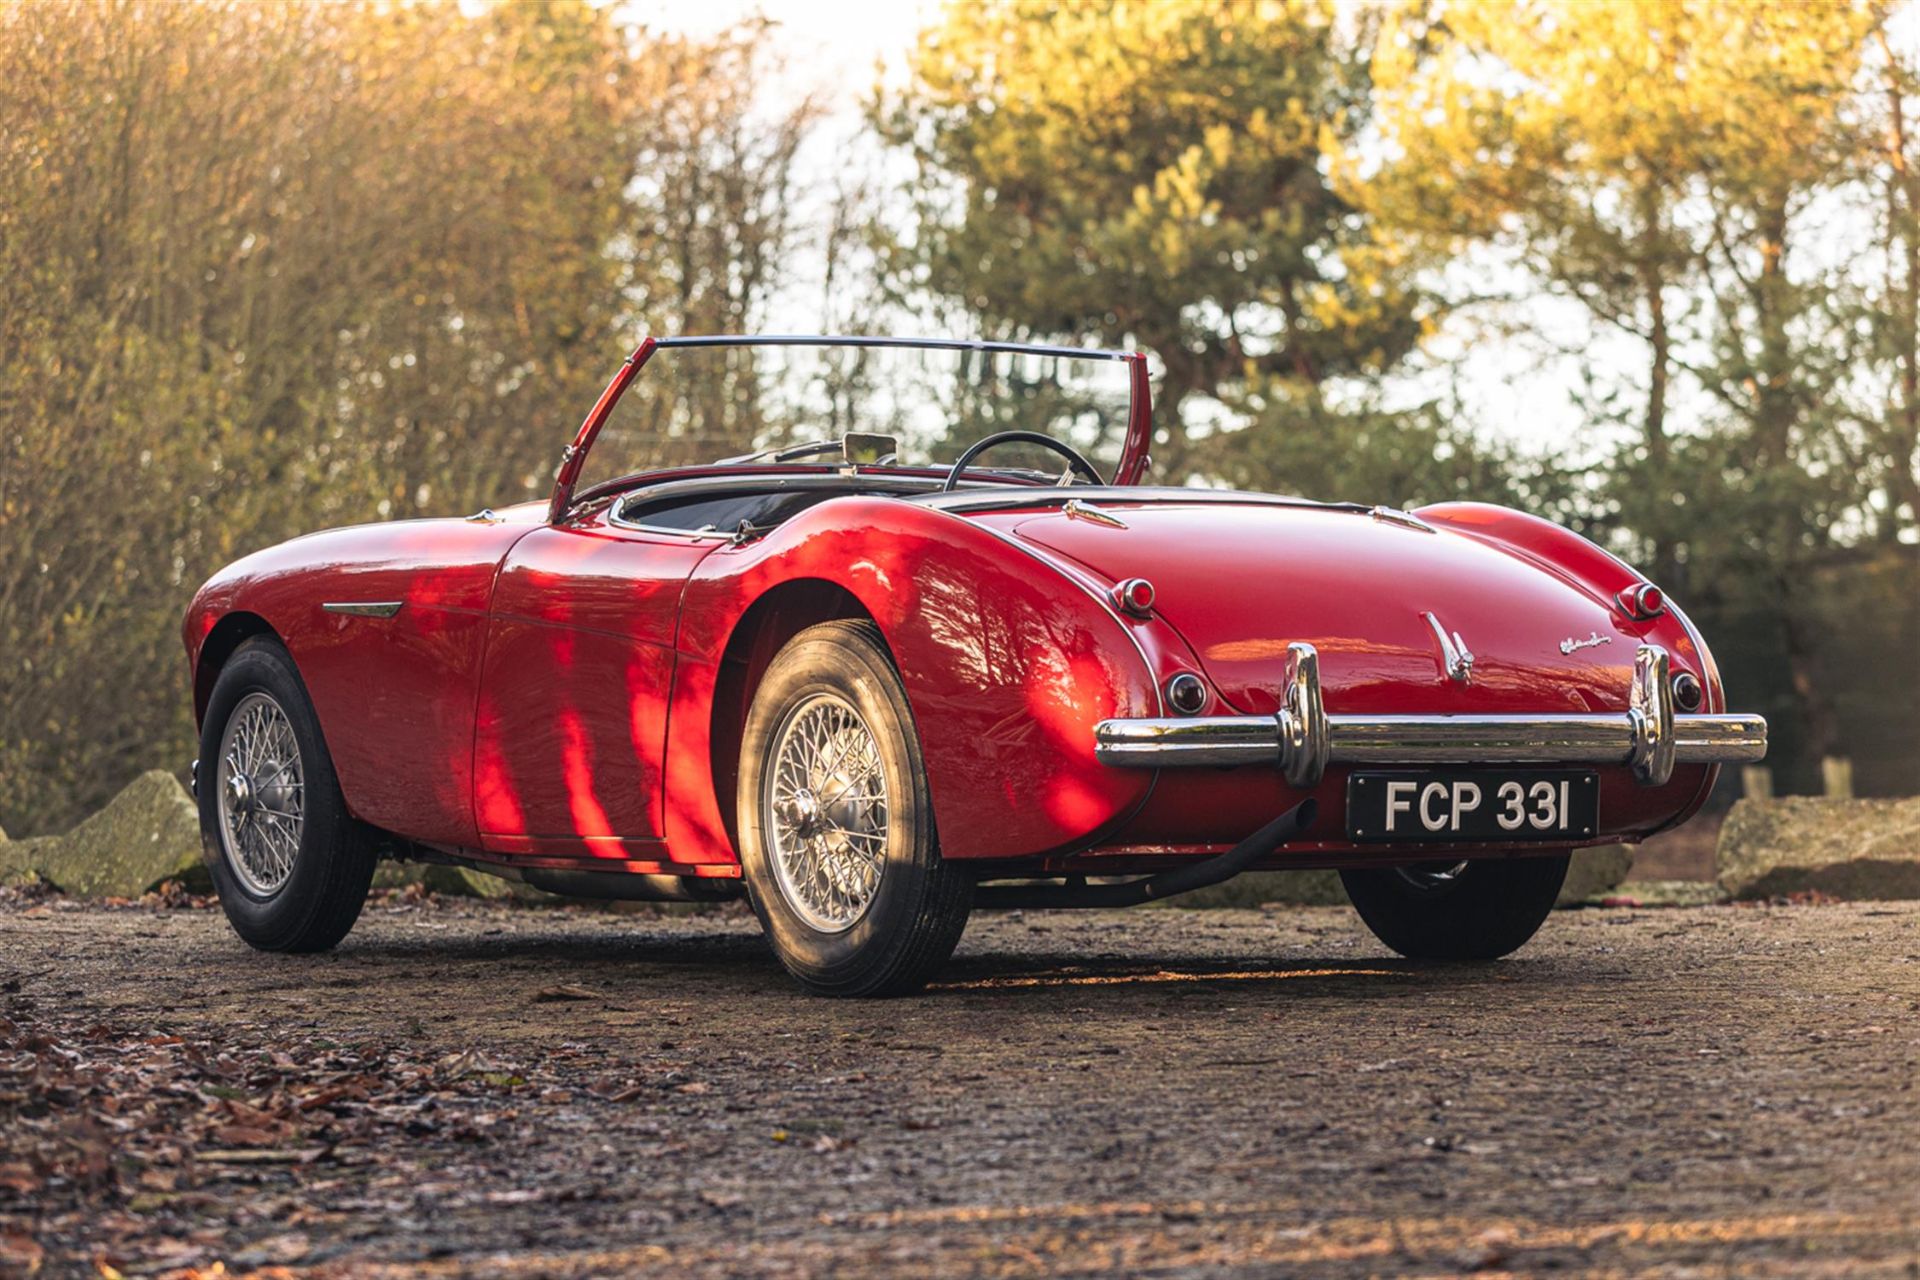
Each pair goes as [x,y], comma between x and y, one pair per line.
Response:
[262,791]
[825,813]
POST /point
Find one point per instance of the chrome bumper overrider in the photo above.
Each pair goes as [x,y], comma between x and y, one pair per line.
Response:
[1302,739]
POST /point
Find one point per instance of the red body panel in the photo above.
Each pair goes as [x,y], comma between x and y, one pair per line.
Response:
[570,738]
[1007,667]
[569,693]
[395,696]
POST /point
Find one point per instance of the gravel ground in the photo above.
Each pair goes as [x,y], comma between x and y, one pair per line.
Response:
[507,1091]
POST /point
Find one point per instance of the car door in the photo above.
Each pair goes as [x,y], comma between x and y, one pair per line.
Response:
[570,728]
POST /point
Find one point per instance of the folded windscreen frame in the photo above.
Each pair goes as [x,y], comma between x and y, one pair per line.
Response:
[697,401]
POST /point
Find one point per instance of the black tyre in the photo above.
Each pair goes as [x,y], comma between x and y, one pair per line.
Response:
[290,864]
[842,862]
[1457,911]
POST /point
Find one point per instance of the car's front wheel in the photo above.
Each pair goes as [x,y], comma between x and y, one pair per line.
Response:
[1479,910]
[837,838]
[290,864]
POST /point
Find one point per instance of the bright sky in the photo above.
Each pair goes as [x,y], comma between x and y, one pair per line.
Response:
[838,41]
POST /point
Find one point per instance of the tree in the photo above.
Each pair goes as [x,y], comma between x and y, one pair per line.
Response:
[277,267]
[1151,174]
[1888,307]
[1661,164]
[1514,127]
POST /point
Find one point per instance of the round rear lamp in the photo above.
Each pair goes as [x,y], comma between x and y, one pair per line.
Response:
[1186,693]
[1135,595]
[1687,693]
[1643,602]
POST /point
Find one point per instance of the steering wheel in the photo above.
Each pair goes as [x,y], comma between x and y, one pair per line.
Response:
[1075,459]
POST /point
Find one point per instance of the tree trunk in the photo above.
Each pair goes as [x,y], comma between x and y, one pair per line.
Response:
[1805,669]
[1665,561]
[1903,247]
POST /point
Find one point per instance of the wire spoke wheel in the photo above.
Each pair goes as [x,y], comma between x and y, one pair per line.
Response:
[262,794]
[825,812]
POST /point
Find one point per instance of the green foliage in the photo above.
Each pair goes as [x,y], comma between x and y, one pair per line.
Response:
[1361,453]
[1681,169]
[1151,174]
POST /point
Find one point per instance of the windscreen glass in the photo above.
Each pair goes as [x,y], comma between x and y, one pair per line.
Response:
[705,404]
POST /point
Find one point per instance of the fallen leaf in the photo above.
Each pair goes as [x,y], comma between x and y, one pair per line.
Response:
[305,1155]
[18,1249]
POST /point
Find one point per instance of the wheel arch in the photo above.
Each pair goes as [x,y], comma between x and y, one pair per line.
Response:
[776,617]
[223,640]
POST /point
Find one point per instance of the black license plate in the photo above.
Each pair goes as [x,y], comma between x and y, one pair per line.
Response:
[1419,806]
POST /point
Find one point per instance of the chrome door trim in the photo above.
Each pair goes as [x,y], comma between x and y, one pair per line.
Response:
[363,608]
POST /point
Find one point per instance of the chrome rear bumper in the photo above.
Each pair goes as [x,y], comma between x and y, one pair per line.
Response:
[1302,739]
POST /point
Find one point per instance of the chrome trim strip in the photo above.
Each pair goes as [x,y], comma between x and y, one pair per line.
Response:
[1406,519]
[364,608]
[864,340]
[1302,739]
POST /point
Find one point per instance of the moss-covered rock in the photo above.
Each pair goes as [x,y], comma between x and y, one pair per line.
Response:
[1594,873]
[1860,849]
[148,833]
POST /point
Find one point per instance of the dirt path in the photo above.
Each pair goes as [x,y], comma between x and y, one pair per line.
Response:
[496,1091]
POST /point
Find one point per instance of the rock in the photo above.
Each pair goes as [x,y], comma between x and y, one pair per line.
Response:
[17,860]
[1594,872]
[148,833]
[1860,849]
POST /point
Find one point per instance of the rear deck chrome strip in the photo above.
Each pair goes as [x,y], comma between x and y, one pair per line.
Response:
[1302,739]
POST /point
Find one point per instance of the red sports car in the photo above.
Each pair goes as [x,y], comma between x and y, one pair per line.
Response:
[861,693]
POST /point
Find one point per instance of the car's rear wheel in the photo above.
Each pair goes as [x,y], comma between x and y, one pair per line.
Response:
[1479,910]
[837,839]
[290,864]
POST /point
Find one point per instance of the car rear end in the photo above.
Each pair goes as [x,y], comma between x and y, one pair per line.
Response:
[1438,693]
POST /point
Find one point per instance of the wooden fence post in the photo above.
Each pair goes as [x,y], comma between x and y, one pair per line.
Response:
[1756,782]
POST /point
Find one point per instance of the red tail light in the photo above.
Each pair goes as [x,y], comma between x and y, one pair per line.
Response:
[1135,595]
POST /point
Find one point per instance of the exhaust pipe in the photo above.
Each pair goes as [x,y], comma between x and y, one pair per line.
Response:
[1287,827]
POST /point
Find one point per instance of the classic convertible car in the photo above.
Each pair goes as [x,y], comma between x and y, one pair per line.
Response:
[871,696]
